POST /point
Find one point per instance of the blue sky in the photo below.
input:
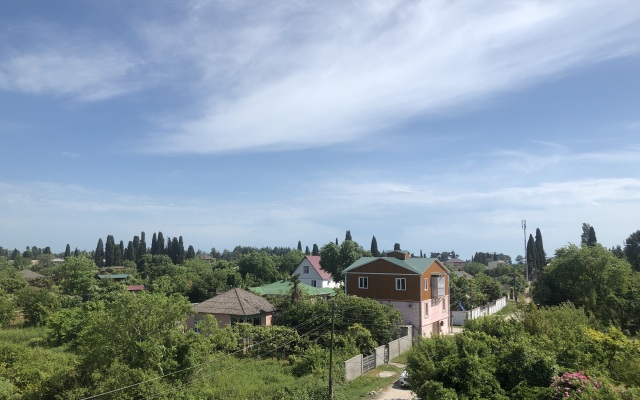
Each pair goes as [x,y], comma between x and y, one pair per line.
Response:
[437,124]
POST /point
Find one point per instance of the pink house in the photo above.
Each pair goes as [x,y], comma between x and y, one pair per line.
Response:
[232,307]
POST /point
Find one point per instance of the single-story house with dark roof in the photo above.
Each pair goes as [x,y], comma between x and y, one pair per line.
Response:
[31,275]
[232,307]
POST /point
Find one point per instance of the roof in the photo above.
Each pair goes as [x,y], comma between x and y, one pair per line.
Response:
[282,288]
[414,264]
[463,274]
[113,276]
[235,302]
[455,260]
[31,275]
[135,288]
[315,262]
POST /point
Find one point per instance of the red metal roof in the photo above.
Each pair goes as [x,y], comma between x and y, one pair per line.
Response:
[315,261]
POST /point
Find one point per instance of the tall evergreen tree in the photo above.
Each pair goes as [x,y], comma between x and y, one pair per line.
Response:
[119,257]
[181,253]
[191,253]
[374,247]
[154,244]
[136,246]
[347,236]
[141,250]
[67,251]
[315,251]
[541,256]
[160,244]
[47,250]
[169,250]
[306,251]
[532,256]
[299,245]
[129,254]
[592,241]
[76,252]
[98,256]
[109,251]
[584,238]
[632,250]
[336,241]
[396,247]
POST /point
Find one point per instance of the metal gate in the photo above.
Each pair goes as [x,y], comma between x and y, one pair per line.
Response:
[368,363]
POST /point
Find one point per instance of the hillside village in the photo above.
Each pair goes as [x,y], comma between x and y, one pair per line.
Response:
[165,322]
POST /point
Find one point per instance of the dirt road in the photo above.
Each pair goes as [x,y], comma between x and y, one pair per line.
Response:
[395,391]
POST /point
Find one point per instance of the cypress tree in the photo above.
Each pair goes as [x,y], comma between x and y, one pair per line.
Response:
[315,251]
[160,244]
[541,256]
[129,253]
[136,246]
[299,245]
[306,251]
[109,251]
[142,248]
[67,251]
[532,255]
[191,253]
[396,247]
[76,252]
[336,241]
[592,241]
[119,258]
[169,249]
[98,256]
[181,252]
[374,247]
[154,244]
[347,236]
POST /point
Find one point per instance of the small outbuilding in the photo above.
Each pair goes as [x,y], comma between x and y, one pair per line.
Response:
[232,307]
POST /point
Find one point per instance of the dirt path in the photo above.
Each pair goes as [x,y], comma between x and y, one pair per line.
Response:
[395,391]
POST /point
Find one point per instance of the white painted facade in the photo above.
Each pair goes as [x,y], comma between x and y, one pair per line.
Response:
[310,276]
[430,317]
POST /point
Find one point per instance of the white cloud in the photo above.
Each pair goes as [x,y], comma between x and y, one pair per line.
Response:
[314,75]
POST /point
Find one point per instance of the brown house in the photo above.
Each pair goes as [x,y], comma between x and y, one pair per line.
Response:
[417,287]
[232,307]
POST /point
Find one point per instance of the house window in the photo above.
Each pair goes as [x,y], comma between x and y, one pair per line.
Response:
[363,282]
[401,284]
[305,269]
[426,284]
[426,310]
[313,283]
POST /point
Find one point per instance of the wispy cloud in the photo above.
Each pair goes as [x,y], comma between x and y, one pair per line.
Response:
[47,59]
[311,75]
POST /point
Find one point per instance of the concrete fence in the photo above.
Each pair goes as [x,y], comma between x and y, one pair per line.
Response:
[358,365]
[458,317]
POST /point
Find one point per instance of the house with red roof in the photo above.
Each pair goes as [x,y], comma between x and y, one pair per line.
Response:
[312,274]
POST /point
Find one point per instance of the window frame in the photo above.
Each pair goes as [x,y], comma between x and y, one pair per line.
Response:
[426,283]
[305,269]
[363,282]
[313,282]
[401,283]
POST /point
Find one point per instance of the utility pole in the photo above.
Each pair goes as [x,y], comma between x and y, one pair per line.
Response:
[333,318]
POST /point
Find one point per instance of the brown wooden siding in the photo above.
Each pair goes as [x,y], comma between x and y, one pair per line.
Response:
[434,268]
[382,282]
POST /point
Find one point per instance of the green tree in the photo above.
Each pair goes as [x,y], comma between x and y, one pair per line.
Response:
[592,241]
[330,260]
[315,251]
[259,267]
[532,257]
[541,256]
[589,277]
[191,253]
[632,250]
[77,277]
[374,247]
[109,251]
[98,256]
[299,245]
[7,309]
[67,251]
[348,235]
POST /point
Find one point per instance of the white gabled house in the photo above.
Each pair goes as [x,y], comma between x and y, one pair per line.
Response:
[312,274]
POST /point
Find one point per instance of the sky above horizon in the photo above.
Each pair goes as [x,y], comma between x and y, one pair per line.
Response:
[439,125]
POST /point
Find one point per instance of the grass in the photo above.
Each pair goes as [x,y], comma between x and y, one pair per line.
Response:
[507,309]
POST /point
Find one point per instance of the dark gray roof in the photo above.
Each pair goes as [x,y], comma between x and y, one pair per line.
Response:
[414,264]
[235,302]
[31,275]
